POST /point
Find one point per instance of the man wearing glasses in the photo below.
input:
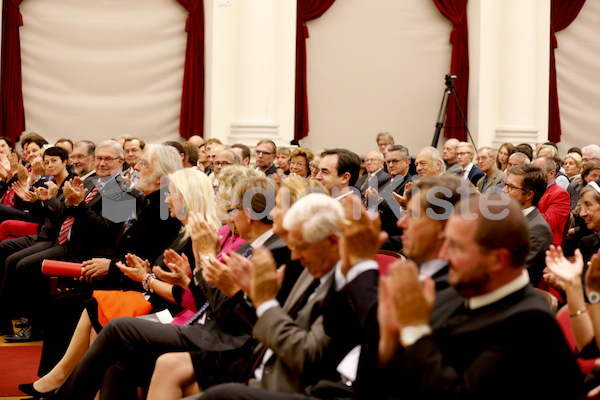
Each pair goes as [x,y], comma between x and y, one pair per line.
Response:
[266,151]
[526,183]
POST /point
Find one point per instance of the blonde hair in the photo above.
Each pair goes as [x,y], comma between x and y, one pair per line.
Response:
[196,191]
[228,178]
[304,152]
[300,187]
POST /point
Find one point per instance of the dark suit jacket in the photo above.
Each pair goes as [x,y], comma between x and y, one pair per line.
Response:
[540,239]
[389,210]
[378,182]
[475,174]
[271,170]
[498,351]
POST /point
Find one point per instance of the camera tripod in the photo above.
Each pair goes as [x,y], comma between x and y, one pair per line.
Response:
[442,113]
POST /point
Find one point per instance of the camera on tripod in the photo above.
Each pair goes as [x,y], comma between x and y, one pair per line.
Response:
[450,79]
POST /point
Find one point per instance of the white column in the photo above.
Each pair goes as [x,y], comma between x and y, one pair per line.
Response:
[250,70]
[509,54]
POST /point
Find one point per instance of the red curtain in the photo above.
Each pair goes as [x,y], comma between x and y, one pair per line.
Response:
[456,11]
[191,121]
[307,11]
[12,116]
[562,13]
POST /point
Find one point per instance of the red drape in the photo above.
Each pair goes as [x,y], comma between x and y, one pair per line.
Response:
[562,13]
[456,11]
[12,116]
[191,121]
[307,11]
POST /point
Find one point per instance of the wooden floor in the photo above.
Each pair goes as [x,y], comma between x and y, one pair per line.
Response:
[3,343]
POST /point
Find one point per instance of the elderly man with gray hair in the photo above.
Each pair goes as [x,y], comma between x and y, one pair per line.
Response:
[486,158]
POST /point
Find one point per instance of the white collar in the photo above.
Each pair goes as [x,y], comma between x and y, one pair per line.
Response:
[498,294]
[259,241]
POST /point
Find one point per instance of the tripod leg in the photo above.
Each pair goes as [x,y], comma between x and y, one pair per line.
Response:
[441,117]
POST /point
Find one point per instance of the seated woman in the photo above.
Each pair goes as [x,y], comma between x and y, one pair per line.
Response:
[190,191]
[11,171]
[573,166]
[578,228]
[300,160]
[31,200]
[567,275]
[178,374]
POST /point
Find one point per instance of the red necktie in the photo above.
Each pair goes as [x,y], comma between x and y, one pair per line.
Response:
[68,223]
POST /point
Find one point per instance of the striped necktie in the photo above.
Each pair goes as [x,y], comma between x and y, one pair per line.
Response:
[68,223]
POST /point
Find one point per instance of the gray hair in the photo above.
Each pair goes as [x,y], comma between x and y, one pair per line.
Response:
[168,159]
[593,149]
[436,157]
[317,214]
[111,143]
[549,163]
[522,156]
[402,149]
[491,152]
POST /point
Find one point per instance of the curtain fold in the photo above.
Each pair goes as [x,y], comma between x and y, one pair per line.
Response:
[562,14]
[307,10]
[191,120]
[456,11]
[12,116]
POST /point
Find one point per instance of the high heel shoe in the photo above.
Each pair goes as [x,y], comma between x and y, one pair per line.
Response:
[28,388]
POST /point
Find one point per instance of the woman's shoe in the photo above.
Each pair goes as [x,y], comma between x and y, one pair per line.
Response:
[28,388]
[22,323]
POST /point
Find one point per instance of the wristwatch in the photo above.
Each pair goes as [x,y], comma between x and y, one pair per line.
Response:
[594,297]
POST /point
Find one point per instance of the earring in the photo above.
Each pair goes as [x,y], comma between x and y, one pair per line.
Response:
[184,210]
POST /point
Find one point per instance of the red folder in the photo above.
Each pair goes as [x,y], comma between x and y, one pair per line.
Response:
[61,268]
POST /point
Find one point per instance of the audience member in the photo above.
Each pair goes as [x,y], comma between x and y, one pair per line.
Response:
[468,341]
[299,161]
[190,150]
[450,157]
[196,140]
[283,159]
[573,166]
[266,151]
[338,171]
[526,184]
[374,175]
[429,162]
[505,150]
[591,152]
[384,140]
[486,159]
[524,148]
[555,203]
[243,152]
[465,152]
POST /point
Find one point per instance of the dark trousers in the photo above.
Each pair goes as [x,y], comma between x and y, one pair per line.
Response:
[128,348]
[34,285]
[8,291]
[239,391]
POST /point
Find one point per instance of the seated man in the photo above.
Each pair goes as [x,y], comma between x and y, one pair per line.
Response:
[488,335]
[526,183]
[451,158]
[555,204]
[486,158]
[465,152]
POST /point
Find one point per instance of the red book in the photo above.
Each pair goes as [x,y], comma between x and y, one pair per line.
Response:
[61,268]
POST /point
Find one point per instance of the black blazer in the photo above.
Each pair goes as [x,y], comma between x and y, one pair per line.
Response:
[475,174]
[378,182]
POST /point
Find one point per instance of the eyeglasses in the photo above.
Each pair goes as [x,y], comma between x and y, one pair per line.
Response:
[462,154]
[79,157]
[510,187]
[372,159]
[393,161]
[297,164]
[314,168]
[221,163]
[107,160]
[263,153]
[233,212]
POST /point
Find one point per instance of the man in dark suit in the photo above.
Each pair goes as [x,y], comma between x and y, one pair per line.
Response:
[398,162]
[266,151]
[374,175]
[451,158]
[424,222]
[465,152]
[488,336]
[82,231]
[526,183]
